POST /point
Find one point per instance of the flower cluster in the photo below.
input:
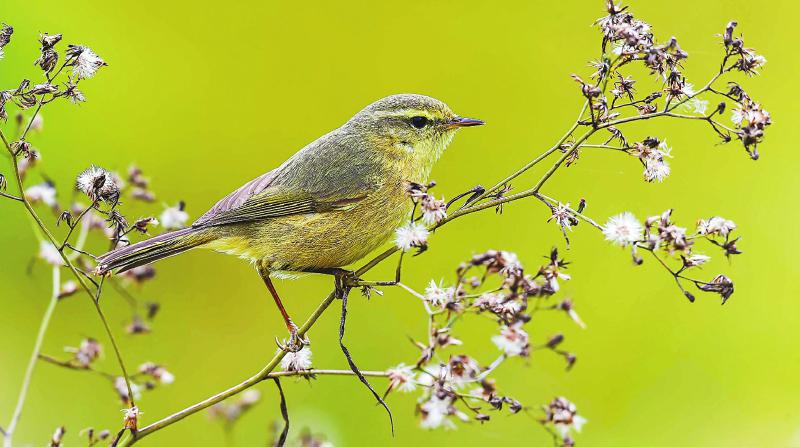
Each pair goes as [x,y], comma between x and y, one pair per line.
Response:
[494,283]
[665,240]
[561,416]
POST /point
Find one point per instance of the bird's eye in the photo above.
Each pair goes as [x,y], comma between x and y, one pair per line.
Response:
[419,122]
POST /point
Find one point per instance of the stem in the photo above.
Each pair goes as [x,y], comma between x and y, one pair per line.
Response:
[538,159]
[9,196]
[37,348]
[326,372]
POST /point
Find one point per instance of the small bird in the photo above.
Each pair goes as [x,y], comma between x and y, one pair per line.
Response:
[327,206]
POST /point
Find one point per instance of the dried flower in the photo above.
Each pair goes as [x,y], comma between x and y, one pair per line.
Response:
[131,420]
[99,184]
[58,436]
[401,378]
[721,284]
[5,35]
[438,295]
[715,226]
[623,229]
[174,217]
[433,211]
[85,62]
[157,372]
[69,288]
[122,390]
[297,361]
[42,193]
[435,412]
[563,416]
[411,235]
[50,254]
[513,340]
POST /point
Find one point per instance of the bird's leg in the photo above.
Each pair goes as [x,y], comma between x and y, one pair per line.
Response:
[296,342]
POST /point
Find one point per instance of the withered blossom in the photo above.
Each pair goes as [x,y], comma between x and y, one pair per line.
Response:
[140,274]
[512,340]
[410,236]
[721,284]
[84,61]
[623,229]
[50,254]
[121,388]
[157,372]
[562,415]
[297,361]
[69,288]
[58,436]
[143,224]
[99,185]
[174,217]
[137,326]
[5,35]
[401,378]
[437,295]
[568,307]
[433,210]
[131,418]
[49,57]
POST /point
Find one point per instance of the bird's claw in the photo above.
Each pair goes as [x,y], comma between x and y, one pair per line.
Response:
[346,280]
[295,343]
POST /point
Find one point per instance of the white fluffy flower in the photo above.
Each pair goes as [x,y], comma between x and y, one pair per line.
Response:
[623,229]
[716,225]
[433,211]
[42,193]
[98,184]
[50,254]
[435,412]
[513,340]
[695,260]
[402,378]
[438,295]
[86,62]
[174,217]
[562,216]
[412,235]
[297,361]
[656,170]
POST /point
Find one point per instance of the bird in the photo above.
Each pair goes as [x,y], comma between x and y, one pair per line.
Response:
[329,205]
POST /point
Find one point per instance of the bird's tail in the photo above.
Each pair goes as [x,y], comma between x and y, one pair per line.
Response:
[151,250]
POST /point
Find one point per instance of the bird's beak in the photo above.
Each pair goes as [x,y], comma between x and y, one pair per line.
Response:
[463,122]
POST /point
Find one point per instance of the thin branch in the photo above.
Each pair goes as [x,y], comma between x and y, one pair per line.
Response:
[37,348]
[9,196]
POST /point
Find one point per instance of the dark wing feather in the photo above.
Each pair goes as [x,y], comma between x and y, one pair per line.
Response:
[238,197]
[259,200]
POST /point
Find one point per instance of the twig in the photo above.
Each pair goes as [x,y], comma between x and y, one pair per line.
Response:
[37,348]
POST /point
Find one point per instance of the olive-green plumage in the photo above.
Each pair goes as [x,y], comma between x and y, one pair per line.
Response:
[330,204]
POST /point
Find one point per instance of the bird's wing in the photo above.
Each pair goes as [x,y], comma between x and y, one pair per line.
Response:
[262,199]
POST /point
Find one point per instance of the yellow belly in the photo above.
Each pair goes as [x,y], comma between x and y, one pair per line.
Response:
[314,241]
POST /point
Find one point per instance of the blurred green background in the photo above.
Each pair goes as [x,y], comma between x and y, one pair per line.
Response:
[205,96]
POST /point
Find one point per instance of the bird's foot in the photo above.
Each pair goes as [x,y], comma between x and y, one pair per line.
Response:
[344,281]
[295,343]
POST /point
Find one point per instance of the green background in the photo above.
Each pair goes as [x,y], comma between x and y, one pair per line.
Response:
[205,96]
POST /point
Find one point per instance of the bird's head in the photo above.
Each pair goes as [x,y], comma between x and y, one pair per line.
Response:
[407,124]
